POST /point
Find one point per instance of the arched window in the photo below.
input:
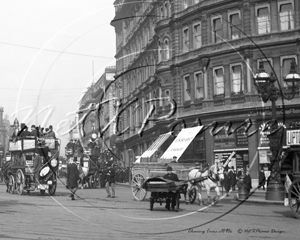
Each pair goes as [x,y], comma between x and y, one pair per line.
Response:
[166,49]
[169,9]
[166,9]
[159,51]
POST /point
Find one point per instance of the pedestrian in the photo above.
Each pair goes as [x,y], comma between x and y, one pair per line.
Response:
[72,177]
[226,181]
[50,133]
[33,132]
[37,165]
[110,180]
[248,181]
[24,131]
[232,176]
[171,195]
[261,179]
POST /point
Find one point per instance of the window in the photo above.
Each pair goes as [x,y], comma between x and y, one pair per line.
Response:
[166,49]
[187,88]
[159,52]
[185,4]
[197,35]
[235,25]
[263,20]
[286,66]
[286,15]
[186,40]
[217,30]
[237,79]
[218,81]
[199,85]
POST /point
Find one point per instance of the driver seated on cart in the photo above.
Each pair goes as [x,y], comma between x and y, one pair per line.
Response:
[171,195]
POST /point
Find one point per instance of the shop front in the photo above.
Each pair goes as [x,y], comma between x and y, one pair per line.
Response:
[233,147]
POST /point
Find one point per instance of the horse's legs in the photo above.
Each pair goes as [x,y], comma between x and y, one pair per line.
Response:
[217,198]
[208,195]
[187,193]
[200,201]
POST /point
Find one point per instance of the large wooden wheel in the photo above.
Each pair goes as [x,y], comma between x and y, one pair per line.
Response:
[52,188]
[11,184]
[20,181]
[192,195]
[136,186]
[294,198]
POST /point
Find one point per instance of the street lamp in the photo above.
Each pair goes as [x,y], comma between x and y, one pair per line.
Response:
[264,83]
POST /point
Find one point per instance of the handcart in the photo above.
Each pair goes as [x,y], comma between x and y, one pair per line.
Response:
[161,189]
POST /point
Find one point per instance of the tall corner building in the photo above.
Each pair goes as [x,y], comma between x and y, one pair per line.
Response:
[203,54]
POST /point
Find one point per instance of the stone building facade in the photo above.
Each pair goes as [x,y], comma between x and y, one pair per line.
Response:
[204,54]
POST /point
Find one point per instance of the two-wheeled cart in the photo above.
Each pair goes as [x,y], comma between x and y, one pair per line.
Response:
[162,190]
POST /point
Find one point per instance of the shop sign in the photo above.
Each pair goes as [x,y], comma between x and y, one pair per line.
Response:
[222,140]
[241,138]
[263,136]
[293,137]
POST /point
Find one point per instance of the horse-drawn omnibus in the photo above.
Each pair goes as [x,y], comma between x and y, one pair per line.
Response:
[21,175]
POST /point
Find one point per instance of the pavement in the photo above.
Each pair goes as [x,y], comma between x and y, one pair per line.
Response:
[256,196]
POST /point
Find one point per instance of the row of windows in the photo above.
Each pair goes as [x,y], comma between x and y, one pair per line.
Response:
[194,85]
[193,39]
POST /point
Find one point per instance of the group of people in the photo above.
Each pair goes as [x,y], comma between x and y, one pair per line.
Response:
[35,131]
[109,172]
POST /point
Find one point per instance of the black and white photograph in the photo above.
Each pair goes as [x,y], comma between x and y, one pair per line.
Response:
[149,119]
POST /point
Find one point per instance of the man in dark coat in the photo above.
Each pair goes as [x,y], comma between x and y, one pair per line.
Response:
[248,181]
[172,196]
[110,180]
[261,179]
[33,131]
[232,176]
[72,177]
[227,181]
[24,131]
[37,165]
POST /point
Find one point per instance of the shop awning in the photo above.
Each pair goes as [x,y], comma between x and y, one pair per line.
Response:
[154,147]
[180,144]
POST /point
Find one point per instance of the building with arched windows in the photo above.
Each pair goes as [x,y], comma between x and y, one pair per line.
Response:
[204,54]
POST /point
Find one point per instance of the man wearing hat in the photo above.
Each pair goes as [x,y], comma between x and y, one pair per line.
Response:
[110,179]
[171,176]
[33,131]
[50,133]
[24,131]
[72,177]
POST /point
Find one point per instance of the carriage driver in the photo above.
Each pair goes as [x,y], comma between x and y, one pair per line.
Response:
[171,176]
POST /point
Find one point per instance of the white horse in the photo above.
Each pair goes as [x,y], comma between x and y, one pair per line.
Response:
[207,179]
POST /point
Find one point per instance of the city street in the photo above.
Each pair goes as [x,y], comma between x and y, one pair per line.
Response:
[93,216]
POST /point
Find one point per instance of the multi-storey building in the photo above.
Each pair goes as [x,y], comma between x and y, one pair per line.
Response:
[204,54]
[88,117]
[5,133]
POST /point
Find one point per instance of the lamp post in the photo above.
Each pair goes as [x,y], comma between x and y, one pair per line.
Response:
[265,86]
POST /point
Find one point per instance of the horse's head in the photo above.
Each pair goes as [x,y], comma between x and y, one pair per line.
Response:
[217,171]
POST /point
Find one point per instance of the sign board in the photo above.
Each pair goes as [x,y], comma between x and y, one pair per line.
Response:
[50,143]
[293,137]
[222,140]
[28,144]
[15,146]
[180,144]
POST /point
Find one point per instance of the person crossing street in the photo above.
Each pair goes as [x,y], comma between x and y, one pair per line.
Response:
[110,179]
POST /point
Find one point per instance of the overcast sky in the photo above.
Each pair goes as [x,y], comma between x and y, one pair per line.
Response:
[48,50]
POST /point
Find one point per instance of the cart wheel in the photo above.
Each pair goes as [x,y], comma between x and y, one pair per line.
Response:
[42,192]
[136,186]
[177,201]
[192,195]
[52,188]
[20,182]
[151,203]
[294,198]
[11,184]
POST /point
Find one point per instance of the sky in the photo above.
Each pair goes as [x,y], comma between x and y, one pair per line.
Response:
[50,52]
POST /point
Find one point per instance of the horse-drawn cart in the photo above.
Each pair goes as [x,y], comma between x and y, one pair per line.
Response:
[161,190]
